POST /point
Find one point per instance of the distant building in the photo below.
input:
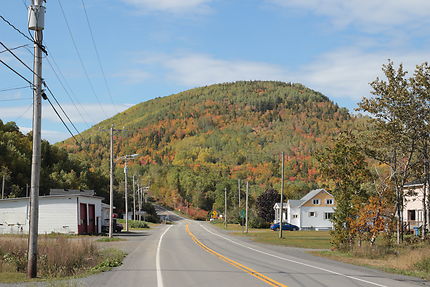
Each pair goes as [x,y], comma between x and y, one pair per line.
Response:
[63,211]
[413,212]
[313,211]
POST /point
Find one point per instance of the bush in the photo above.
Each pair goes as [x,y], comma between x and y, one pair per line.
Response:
[258,222]
[134,223]
[423,265]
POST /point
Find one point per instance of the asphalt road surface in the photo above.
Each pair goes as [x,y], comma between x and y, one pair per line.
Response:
[190,253]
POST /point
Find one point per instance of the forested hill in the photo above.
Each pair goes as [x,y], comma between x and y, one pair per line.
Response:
[195,143]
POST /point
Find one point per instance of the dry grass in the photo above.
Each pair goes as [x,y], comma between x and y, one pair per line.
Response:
[58,257]
[409,260]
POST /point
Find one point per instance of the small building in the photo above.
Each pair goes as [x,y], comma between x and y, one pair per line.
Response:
[312,211]
[413,212]
[63,211]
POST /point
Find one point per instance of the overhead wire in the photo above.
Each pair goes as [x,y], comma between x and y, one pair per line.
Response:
[80,58]
[43,81]
[14,89]
[63,85]
[98,55]
[15,48]
[43,94]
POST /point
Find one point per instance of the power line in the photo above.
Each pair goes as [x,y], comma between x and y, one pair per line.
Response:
[97,53]
[17,73]
[49,90]
[11,49]
[14,89]
[16,29]
[13,100]
[44,83]
[65,89]
[31,39]
[80,58]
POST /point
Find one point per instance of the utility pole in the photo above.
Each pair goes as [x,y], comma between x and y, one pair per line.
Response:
[111,184]
[282,195]
[2,188]
[139,201]
[26,190]
[126,158]
[238,191]
[126,195]
[246,208]
[36,22]
[134,200]
[225,207]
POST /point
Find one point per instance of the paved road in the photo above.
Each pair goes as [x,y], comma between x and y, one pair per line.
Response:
[190,253]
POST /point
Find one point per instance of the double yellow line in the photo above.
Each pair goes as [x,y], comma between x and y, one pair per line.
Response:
[242,267]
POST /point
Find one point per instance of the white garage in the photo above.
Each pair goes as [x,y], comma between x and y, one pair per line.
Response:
[64,211]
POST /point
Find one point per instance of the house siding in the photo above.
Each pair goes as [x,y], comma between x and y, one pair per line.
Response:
[317,222]
[57,214]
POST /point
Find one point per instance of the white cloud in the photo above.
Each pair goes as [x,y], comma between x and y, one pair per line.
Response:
[200,69]
[49,135]
[89,113]
[134,76]
[171,6]
[370,14]
[346,73]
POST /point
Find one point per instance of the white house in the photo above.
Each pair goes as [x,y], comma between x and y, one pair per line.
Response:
[413,211]
[313,211]
[74,211]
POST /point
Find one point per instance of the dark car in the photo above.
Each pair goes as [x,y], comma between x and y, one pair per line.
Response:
[285,226]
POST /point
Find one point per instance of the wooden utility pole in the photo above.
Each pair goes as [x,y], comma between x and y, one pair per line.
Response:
[36,22]
[2,187]
[225,207]
[134,200]
[111,184]
[246,208]
[238,191]
[282,195]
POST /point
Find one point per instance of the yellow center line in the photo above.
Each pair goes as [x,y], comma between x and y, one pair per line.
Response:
[242,267]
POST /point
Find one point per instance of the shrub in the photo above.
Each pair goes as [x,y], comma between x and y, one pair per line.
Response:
[423,265]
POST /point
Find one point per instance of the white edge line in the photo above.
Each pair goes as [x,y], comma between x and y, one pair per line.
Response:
[157,259]
[293,261]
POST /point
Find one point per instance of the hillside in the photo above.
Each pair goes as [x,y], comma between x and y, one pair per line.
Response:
[195,143]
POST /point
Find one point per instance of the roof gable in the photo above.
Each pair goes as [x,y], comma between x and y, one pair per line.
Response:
[312,194]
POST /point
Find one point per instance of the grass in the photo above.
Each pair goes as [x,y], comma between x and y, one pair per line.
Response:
[302,239]
[412,260]
[136,224]
[108,239]
[59,258]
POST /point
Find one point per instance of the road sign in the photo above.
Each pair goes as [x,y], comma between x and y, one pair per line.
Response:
[242,213]
[214,214]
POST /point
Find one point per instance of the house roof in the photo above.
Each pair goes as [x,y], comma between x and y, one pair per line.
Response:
[295,203]
[311,194]
[417,182]
[51,196]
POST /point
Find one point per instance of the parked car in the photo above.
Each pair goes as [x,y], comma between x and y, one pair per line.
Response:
[285,226]
[117,227]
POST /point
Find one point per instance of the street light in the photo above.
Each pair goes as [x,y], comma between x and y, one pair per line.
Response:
[126,158]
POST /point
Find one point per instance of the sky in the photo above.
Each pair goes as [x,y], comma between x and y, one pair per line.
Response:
[105,56]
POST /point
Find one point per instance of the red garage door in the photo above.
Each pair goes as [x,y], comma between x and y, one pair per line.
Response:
[83,219]
[91,219]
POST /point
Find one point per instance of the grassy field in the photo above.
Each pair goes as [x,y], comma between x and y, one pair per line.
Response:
[79,257]
[303,239]
[412,260]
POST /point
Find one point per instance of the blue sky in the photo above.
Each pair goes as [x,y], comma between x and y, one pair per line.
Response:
[154,48]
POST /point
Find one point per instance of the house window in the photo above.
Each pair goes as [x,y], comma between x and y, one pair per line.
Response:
[328,215]
[316,201]
[312,214]
[295,216]
[412,216]
[329,201]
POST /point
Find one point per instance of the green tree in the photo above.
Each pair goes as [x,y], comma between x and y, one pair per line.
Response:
[344,170]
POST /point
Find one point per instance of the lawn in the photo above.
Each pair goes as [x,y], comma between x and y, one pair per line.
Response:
[302,239]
